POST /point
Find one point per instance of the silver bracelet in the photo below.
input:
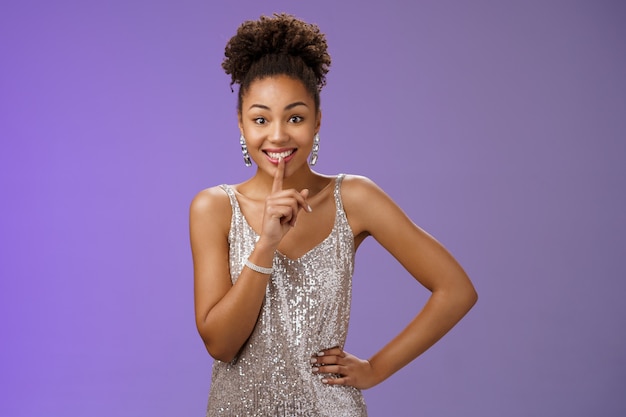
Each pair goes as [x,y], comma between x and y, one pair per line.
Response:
[259,269]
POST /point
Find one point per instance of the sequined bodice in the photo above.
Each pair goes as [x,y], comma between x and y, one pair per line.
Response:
[306,309]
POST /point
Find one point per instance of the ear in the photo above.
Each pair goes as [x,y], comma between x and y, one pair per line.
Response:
[318,121]
[240,122]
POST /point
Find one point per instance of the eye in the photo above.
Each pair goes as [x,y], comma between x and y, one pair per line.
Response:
[295,119]
[260,120]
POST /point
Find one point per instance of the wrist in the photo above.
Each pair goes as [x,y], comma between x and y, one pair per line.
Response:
[377,375]
[262,257]
[260,269]
[263,246]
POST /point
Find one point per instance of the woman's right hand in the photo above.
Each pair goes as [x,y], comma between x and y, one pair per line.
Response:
[281,208]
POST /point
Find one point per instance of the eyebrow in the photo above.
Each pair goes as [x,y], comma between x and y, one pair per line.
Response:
[287,107]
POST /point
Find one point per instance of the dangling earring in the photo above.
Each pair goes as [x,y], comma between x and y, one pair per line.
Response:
[244,151]
[316,148]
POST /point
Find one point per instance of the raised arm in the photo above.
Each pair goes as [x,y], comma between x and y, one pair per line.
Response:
[225,313]
[371,212]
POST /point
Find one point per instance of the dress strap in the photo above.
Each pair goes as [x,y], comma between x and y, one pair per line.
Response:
[337,192]
[234,204]
[231,195]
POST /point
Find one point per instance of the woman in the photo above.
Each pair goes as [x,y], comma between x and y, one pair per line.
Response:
[273,256]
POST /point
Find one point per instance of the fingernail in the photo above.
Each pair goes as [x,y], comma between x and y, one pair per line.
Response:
[320,353]
[315,369]
[313,360]
[308,208]
[325,381]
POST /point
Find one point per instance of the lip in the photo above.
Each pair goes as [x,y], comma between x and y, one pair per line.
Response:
[275,161]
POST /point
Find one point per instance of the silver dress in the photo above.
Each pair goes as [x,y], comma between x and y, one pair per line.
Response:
[306,309]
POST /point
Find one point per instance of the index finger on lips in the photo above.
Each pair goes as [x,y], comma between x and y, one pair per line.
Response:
[277,185]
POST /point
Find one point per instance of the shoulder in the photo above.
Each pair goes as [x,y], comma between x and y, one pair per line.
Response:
[209,205]
[357,189]
[209,199]
[366,204]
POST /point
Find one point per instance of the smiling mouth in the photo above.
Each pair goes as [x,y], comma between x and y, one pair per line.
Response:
[276,155]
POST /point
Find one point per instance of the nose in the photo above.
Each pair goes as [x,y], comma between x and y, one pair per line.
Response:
[278,133]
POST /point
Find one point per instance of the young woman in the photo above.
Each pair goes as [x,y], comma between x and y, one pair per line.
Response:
[273,256]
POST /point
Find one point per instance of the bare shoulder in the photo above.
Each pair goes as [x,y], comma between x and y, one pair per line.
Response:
[209,199]
[359,188]
[360,193]
[365,203]
[210,205]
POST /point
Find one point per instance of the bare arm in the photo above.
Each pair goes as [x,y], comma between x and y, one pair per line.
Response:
[372,212]
[225,313]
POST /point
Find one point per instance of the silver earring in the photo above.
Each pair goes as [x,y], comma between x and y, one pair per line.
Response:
[244,151]
[316,148]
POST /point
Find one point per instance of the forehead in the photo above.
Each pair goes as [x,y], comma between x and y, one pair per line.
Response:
[276,91]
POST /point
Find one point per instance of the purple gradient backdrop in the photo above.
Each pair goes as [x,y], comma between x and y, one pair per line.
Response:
[500,127]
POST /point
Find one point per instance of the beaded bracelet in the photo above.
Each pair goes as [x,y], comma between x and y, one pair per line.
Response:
[259,269]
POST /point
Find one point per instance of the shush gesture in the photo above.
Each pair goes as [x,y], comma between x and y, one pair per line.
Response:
[282,207]
[257,307]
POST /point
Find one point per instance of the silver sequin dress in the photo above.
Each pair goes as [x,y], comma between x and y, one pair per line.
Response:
[306,309]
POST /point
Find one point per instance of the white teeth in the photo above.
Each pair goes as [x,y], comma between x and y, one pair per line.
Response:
[276,155]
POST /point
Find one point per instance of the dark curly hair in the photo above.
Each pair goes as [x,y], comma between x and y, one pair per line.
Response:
[277,45]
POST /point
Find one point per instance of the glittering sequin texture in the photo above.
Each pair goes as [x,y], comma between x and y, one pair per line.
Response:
[306,309]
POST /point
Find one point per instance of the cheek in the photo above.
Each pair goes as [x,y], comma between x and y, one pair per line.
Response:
[250,130]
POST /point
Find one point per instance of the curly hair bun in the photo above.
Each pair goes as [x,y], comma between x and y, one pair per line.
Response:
[282,36]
